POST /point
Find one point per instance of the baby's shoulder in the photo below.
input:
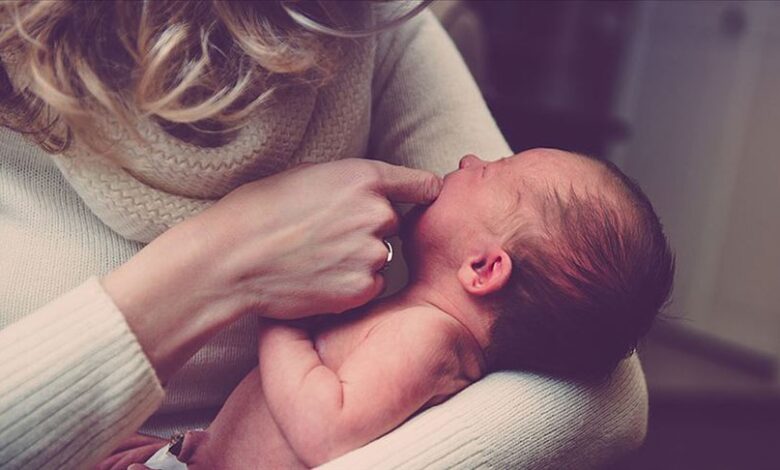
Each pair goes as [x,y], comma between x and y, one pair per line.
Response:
[439,342]
[434,335]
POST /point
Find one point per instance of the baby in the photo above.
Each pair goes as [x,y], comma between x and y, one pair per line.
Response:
[544,261]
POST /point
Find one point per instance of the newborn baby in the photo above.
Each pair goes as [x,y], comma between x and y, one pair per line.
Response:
[545,261]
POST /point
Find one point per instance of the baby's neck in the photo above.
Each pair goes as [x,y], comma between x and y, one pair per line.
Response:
[419,294]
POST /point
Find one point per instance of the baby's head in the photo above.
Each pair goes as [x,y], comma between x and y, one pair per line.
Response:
[563,252]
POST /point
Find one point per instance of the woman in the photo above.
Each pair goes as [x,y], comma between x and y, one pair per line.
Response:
[172,125]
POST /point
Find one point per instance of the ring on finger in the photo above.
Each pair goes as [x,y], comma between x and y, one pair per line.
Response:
[389,257]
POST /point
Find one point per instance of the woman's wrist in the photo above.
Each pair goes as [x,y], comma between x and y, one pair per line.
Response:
[171,296]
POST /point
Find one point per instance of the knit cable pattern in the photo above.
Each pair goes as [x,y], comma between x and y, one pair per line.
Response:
[165,180]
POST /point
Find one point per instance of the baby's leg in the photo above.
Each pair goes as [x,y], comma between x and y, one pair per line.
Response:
[244,435]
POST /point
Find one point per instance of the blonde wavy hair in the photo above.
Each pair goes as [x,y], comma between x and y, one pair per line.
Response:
[199,68]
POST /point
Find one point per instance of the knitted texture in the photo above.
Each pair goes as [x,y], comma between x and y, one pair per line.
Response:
[78,347]
[511,420]
[163,180]
[406,97]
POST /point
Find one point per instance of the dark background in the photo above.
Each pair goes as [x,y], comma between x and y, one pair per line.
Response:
[553,69]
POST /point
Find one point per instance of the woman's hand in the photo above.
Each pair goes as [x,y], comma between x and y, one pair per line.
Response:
[309,240]
[302,242]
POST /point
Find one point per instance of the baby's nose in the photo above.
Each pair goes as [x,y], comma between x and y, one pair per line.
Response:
[469,160]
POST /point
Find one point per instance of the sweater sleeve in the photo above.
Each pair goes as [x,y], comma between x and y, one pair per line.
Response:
[518,420]
[427,111]
[74,382]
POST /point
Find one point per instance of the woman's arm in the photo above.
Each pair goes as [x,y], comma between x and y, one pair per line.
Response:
[303,242]
[78,375]
[518,420]
[74,383]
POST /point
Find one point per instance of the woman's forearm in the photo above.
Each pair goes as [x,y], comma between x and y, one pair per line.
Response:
[169,295]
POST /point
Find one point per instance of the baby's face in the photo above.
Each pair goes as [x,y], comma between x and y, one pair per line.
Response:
[480,196]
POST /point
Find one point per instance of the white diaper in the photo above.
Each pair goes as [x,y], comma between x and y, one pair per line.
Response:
[164,460]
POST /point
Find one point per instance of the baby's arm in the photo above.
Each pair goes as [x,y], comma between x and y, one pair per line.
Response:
[323,413]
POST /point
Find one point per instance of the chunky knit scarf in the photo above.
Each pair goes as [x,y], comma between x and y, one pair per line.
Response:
[154,185]
[163,181]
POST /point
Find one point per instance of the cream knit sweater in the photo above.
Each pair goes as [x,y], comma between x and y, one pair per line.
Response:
[73,379]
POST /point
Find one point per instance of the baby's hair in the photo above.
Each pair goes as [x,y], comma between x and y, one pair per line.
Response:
[586,286]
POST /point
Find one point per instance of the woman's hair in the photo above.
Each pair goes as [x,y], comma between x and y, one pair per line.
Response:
[199,68]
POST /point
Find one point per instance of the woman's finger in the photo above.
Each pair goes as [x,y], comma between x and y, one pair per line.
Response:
[380,255]
[388,221]
[401,184]
[379,284]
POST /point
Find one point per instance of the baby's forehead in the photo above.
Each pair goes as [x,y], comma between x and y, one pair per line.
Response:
[542,182]
[541,171]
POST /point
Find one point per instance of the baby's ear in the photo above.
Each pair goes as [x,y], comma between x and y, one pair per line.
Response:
[485,273]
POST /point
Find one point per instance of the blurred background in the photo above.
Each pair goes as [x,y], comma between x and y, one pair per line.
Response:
[685,97]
